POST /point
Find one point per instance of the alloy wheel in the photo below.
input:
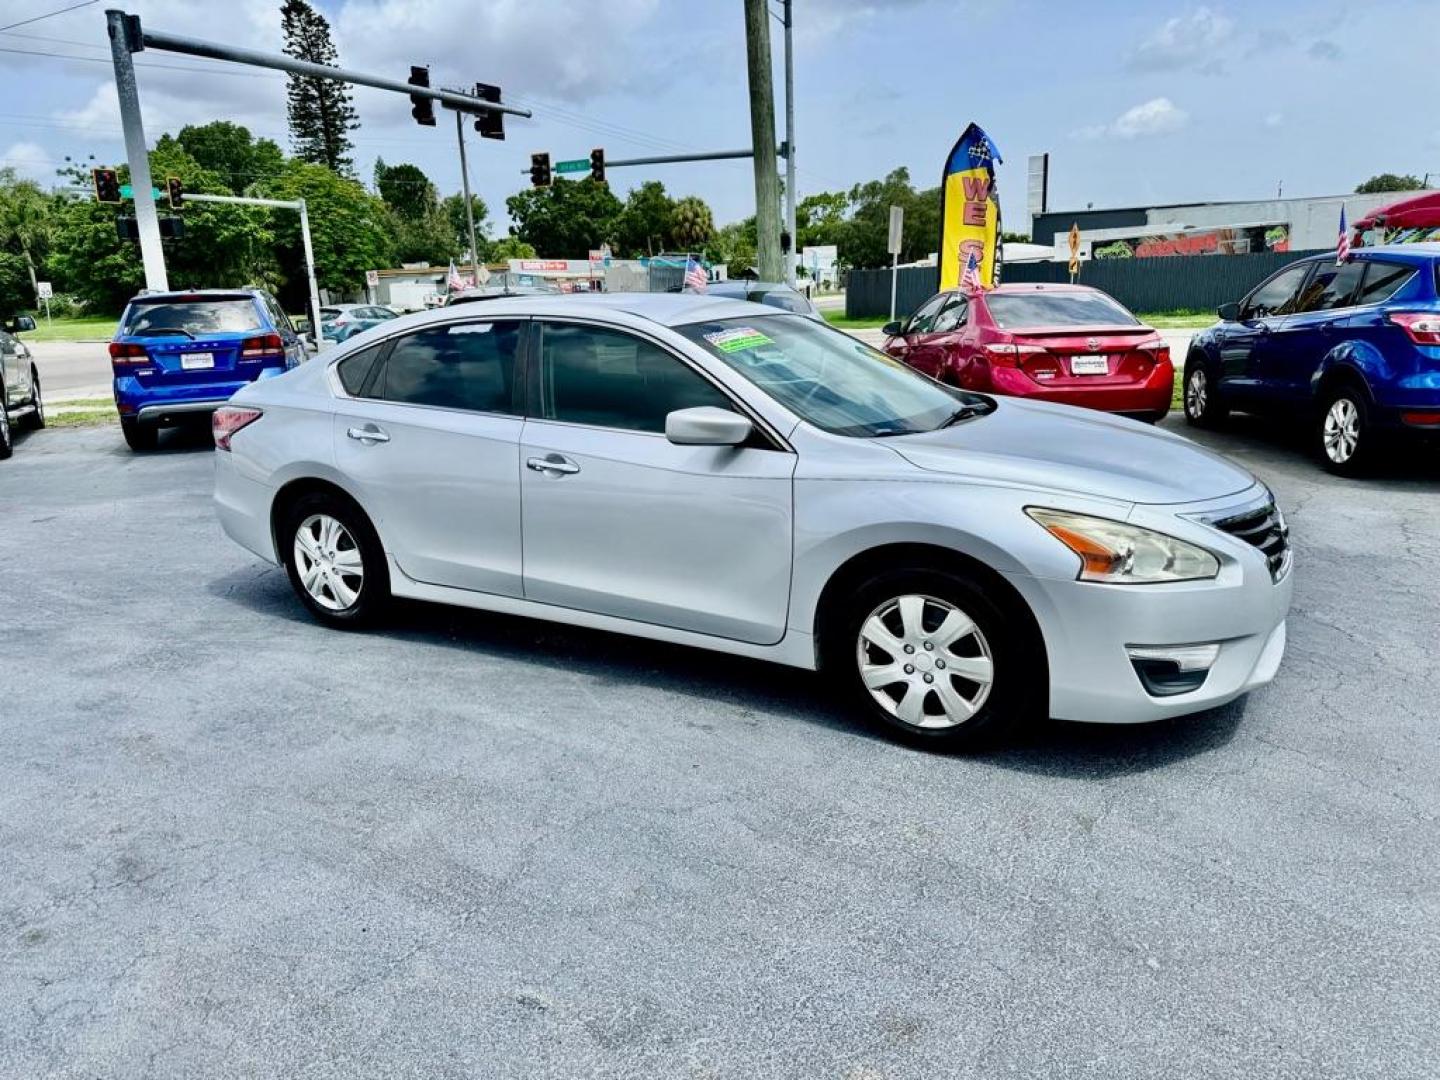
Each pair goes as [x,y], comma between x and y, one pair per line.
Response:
[924,661]
[1341,432]
[329,562]
[1197,393]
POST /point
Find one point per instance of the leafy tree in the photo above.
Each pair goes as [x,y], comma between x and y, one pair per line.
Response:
[349,227]
[820,218]
[16,292]
[1118,250]
[691,224]
[644,224]
[511,247]
[231,153]
[420,227]
[1390,182]
[321,111]
[1015,237]
[734,245]
[454,209]
[567,219]
[406,190]
[26,221]
[864,235]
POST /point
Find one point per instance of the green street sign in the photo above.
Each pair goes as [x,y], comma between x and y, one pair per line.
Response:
[128,192]
[578,165]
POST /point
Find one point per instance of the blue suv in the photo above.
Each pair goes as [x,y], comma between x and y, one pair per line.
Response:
[179,354]
[1354,347]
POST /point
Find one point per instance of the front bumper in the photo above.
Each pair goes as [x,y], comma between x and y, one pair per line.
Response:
[1089,630]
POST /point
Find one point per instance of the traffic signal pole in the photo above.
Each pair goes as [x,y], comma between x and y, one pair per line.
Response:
[790,255]
[152,255]
[469,210]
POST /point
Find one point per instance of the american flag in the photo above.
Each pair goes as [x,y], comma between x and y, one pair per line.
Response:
[1342,246]
[453,281]
[695,275]
[970,279]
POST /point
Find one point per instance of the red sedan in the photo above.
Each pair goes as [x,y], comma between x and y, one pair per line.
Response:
[1065,343]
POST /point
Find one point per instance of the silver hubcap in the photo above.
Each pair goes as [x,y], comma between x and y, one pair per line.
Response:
[1342,431]
[1195,394]
[924,661]
[329,562]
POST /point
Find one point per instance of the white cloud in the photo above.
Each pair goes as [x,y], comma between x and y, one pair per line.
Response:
[1186,41]
[1158,116]
[30,160]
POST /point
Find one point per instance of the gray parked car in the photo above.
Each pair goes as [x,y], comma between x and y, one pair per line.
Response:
[775,294]
[718,474]
[21,402]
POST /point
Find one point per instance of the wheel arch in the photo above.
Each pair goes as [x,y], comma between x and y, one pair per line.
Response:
[291,491]
[1341,370]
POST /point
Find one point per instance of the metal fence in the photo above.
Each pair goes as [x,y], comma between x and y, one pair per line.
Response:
[1172,283]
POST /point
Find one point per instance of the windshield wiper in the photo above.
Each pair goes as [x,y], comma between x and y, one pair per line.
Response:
[167,330]
[965,412]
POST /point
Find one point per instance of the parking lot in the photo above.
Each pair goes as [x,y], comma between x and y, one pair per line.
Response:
[240,845]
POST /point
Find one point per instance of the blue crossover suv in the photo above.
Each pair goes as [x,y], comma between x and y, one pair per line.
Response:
[178,354]
[1354,347]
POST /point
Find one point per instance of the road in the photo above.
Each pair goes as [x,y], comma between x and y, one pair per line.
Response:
[239,845]
[72,369]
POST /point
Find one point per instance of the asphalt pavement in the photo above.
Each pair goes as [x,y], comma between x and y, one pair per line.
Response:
[238,845]
[72,369]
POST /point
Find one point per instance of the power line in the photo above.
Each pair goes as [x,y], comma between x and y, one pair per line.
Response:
[48,15]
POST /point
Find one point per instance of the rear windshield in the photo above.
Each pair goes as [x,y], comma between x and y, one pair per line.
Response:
[1017,311]
[195,316]
[329,313]
[785,301]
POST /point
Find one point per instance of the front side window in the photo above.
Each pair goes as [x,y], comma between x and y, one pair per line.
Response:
[1382,281]
[1331,286]
[608,378]
[195,317]
[1276,296]
[830,379]
[924,317]
[467,365]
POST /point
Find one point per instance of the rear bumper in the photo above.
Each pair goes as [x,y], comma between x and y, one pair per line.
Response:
[159,405]
[243,507]
[1151,396]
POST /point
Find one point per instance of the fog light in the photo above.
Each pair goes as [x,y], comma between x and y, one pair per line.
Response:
[1167,670]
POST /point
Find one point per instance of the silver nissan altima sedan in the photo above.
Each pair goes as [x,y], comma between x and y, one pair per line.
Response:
[715,473]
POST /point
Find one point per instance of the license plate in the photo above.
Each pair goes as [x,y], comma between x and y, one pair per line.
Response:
[191,361]
[1089,365]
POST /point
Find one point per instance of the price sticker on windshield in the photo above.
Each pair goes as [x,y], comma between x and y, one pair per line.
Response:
[738,339]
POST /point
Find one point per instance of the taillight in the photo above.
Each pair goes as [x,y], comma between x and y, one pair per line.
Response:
[228,420]
[127,352]
[258,348]
[1009,354]
[1422,326]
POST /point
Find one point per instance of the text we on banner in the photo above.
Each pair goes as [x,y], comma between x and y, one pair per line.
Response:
[970,213]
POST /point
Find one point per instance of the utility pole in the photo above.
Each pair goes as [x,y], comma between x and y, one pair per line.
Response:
[469,211]
[793,253]
[146,221]
[762,137]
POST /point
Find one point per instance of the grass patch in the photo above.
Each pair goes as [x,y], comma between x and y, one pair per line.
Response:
[81,412]
[82,328]
[1178,320]
[836,317]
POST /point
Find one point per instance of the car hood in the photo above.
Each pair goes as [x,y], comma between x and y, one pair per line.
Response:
[1065,449]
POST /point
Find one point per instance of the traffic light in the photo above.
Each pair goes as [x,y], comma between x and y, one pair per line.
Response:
[785,242]
[597,165]
[176,190]
[540,170]
[490,125]
[421,108]
[107,185]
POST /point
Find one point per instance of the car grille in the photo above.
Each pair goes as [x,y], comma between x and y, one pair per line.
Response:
[1264,527]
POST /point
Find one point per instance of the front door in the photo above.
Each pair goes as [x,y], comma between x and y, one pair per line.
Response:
[431,441]
[619,521]
[1245,345]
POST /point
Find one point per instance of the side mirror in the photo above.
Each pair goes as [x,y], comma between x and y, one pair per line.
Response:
[892,329]
[707,425]
[1229,312]
[21,324]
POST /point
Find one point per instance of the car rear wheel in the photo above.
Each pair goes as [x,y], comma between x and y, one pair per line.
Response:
[335,561]
[1344,437]
[1202,407]
[138,436]
[934,659]
[7,435]
[36,420]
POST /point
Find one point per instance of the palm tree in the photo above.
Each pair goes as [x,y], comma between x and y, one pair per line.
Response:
[691,224]
[24,219]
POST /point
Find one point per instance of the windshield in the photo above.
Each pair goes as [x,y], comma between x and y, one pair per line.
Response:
[1018,311]
[829,378]
[194,316]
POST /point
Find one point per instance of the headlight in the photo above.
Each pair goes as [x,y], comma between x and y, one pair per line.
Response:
[1125,554]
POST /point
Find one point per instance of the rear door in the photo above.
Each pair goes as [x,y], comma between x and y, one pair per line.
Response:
[430,439]
[620,521]
[1299,344]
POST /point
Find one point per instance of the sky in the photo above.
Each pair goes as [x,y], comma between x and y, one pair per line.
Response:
[1146,101]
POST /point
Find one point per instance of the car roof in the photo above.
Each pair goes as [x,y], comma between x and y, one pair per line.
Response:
[198,294]
[1416,253]
[664,309]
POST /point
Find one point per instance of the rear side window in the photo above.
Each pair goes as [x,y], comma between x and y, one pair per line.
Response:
[193,316]
[608,378]
[355,368]
[1016,311]
[1382,281]
[461,366]
[1331,286]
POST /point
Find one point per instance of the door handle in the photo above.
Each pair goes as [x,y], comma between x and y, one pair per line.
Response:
[553,463]
[370,434]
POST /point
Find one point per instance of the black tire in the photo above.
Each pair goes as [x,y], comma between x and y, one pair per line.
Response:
[36,420]
[1014,697]
[373,587]
[7,433]
[1343,437]
[140,437]
[1203,407]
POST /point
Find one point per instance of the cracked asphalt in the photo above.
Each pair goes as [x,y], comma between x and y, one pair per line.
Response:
[233,844]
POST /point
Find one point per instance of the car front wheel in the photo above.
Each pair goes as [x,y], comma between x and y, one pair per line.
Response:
[335,561]
[933,658]
[37,418]
[1202,407]
[7,435]
[1344,436]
